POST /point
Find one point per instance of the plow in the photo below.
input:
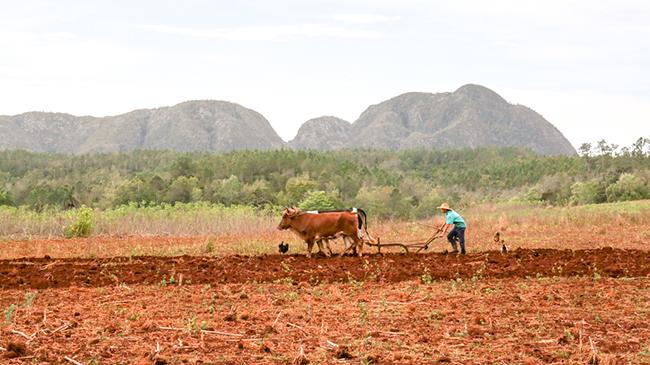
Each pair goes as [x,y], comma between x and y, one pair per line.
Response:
[418,246]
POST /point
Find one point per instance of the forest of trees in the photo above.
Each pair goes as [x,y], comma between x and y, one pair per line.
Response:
[405,184]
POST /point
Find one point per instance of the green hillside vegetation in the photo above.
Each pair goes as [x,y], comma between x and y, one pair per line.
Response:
[388,184]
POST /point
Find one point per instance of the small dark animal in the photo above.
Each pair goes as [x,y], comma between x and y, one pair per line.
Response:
[283,247]
[498,239]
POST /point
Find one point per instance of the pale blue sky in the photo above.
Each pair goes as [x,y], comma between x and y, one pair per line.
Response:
[583,65]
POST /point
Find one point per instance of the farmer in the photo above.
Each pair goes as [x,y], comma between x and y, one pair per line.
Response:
[458,233]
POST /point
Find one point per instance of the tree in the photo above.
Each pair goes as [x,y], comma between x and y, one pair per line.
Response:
[135,190]
[641,147]
[182,166]
[318,200]
[604,149]
[183,189]
[229,191]
[585,192]
[374,200]
[628,187]
[258,193]
[298,187]
[585,150]
[5,198]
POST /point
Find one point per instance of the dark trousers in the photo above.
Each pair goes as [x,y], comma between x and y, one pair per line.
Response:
[457,234]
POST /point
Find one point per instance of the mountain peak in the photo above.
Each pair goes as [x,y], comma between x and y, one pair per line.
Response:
[472,116]
[478,92]
[322,133]
[196,125]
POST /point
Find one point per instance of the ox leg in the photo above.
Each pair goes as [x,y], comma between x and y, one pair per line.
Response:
[346,246]
[359,244]
[328,248]
[310,246]
[349,246]
[320,242]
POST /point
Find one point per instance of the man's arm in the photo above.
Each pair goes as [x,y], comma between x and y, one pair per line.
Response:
[444,228]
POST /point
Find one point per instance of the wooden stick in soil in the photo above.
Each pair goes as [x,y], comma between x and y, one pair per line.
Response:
[594,355]
[24,357]
[301,358]
[203,331]
[22,334]
[332,343]
[276,319]
[62,327]
[75,362]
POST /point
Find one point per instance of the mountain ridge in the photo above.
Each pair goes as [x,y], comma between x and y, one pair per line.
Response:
[472,116]
[195,125]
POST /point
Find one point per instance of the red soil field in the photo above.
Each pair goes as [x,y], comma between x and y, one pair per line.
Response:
[528,306]
[484,321]
[42,273]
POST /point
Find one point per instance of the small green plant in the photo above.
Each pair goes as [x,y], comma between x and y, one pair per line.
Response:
[562,354]
[192,326]
[354,282]
[9,313]
[29,298]
[384,303]
[288,281]
[436,315]
[645,351]
[461,333]
[285,267]
[598,318]
[291,296]
[209,247]
[81,225]
[120,311]
[426,277]
[596,275]
[568,336]
[363,312]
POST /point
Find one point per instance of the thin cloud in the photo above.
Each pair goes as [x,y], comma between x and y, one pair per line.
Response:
[267,33]
[364,18]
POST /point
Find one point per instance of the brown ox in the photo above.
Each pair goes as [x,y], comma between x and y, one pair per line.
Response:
[314,227]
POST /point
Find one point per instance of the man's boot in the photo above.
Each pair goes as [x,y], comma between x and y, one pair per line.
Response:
[454,247]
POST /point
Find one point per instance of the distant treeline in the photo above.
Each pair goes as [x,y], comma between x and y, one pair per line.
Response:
[405,184]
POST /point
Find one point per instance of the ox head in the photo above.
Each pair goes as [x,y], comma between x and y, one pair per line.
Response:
[287,217]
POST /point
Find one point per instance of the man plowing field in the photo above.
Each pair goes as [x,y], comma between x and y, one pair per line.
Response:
[457,234]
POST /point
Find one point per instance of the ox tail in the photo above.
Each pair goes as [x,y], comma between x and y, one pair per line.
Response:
[363,221]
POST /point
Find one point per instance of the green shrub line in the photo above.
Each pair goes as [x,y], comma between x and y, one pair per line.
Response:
[388,184]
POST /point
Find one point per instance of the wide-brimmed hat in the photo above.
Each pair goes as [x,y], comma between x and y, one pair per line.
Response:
[444,206]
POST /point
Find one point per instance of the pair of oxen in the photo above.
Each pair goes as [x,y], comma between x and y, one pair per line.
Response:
[321,226]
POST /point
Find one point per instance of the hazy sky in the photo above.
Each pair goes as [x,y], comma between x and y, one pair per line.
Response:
[584,65]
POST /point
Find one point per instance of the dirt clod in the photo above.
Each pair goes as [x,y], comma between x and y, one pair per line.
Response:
[15,349]
[342,352]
